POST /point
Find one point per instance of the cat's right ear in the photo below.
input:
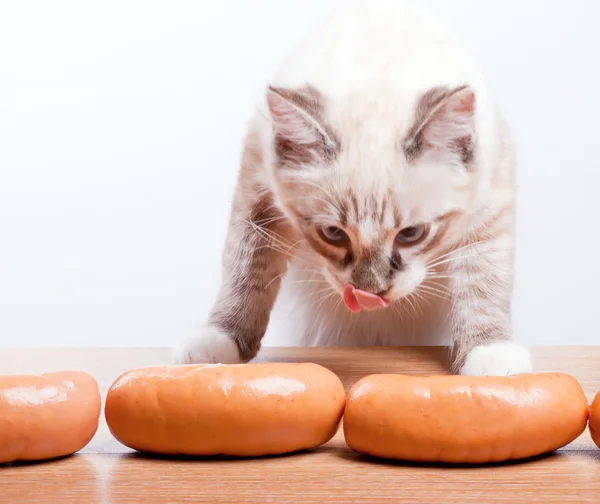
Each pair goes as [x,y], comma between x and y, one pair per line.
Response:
[301,136]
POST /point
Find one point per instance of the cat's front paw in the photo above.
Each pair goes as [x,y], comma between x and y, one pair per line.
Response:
[209,346]
[502,358]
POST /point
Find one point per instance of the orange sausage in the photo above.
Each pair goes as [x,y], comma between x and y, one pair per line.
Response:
[594,424]
[237,410]
[460,419]
[48,415]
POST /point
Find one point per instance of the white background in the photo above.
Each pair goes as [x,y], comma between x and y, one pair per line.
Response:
[120,130]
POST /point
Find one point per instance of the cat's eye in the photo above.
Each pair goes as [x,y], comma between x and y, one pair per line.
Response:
[334,235]
[411,235]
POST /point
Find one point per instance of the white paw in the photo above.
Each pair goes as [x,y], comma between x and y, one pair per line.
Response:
[497,359]
[209,346]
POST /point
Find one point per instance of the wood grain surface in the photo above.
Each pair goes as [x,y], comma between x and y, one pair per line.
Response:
[107,472]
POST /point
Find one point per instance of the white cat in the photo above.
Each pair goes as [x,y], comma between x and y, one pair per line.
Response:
[375,201]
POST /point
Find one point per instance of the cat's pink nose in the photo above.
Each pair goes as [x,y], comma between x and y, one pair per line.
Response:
[357,299]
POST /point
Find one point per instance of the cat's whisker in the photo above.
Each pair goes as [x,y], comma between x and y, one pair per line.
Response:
[329,292]
[439,287]
[454,251]
[272,220]
[434,294]
[312,272]
[320,292]
[421,297]
[277,240]
[278,244]
[327,298]
[411,304]
[398,309]
[275,279]
[295,244]
[285,251]
[448,260]
[435,289]
[416,304]
[291,246]
[311,280]
[439,277]
[337,305]
[267,233]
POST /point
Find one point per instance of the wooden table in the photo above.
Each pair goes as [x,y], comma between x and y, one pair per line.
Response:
[107,472]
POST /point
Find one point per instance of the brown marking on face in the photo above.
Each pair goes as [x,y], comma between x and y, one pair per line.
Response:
[429,106]
[437,238]
[397,218]
[448,215]
[347,208]
[354,205]
[396,262]
[445,221]
[372,208]
[348,259]
[325,150]
[343,216]
[384,204]
[338,255]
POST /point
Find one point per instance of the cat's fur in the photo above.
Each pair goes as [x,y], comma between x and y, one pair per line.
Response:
[378,121]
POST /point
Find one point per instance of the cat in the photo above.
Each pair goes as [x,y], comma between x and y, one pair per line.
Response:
[375,201]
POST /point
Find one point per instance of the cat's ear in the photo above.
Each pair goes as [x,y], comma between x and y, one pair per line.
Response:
[301,136]
[444,119]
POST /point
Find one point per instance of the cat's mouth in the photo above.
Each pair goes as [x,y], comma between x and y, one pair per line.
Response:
[357,300]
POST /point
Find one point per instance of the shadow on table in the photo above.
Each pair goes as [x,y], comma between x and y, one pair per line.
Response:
[134,457]
[37,463]
[368,459]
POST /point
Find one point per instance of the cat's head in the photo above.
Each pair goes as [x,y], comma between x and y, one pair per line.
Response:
[375,192]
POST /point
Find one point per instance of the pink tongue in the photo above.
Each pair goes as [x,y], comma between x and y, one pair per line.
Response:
[357,299]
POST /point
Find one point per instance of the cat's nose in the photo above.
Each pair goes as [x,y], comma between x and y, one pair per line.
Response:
[357,299]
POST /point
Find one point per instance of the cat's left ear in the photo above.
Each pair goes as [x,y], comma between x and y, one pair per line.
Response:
[301,135]
[444,119]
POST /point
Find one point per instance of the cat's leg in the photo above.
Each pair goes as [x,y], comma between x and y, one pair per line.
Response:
[481,286]
[254,261]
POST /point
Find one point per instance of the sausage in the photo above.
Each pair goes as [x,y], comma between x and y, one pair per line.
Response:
[47,415]
[461,419]
[248,410]
[594,420]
